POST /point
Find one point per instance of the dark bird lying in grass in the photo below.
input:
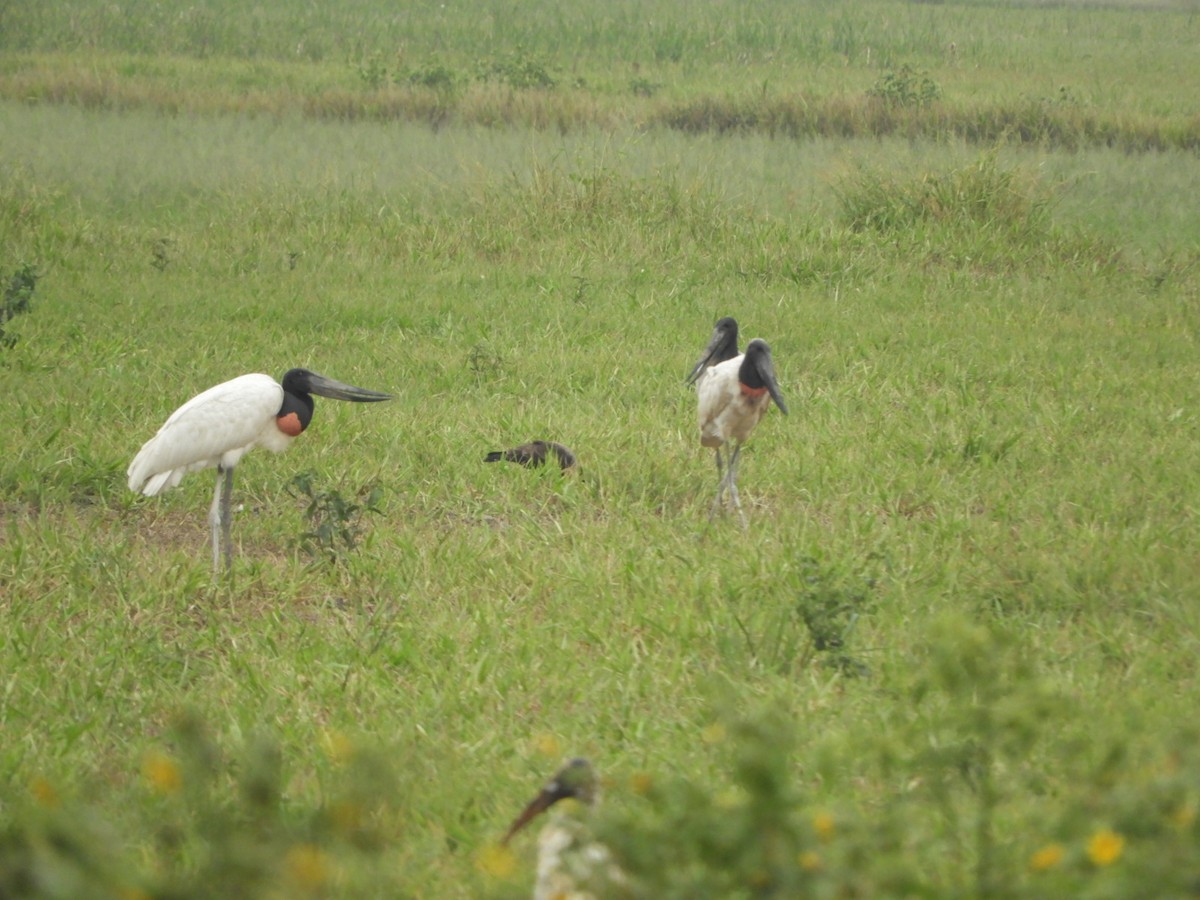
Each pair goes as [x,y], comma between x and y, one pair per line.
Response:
[535,454]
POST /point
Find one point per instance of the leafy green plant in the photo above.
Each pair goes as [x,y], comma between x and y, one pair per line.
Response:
[435,77]
[49,849]
[518,70]
[210,824]
[484,360]
[817,625]
[979,196]
[758,832]
[981,708]
[373,71]
[906,87]
[643,87]
[830,605]
[18,293]
[334,522]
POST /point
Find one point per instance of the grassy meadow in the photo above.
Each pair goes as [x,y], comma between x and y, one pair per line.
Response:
[954,654]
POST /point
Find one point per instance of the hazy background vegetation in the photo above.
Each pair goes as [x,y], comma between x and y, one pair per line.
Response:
[954,654]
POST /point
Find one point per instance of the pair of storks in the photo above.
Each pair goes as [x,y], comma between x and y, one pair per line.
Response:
[219,426]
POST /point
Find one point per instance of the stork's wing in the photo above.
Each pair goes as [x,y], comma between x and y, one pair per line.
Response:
[224,418]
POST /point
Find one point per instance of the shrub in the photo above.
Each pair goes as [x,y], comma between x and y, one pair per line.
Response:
[518,71]
[18,293]
[906,88]
[979,196]
[334,523]
[210,824]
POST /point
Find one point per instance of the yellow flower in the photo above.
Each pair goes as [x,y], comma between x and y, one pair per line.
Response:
[823,825]
[1047,858]
[44,793]
[346,816]
[730,798]
[1184,816]
[548,745]
[641,783]
[1105,847]
[713,734]
[339,748]
[161,772]
[810,861]
[307,866]
[497,861]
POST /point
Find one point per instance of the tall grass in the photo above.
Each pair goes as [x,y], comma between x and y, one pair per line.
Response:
[1071,76]
[975,522]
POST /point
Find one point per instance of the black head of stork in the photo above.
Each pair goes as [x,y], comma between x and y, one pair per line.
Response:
[299,385]
[721,347]
[757,372]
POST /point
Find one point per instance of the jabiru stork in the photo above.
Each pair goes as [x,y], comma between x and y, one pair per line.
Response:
[732,396]
[535,454]
[570,859]
[219,426]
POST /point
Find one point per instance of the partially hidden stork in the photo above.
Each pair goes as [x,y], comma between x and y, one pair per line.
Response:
[535,454]
[570,859]
[733,393]
[219,426]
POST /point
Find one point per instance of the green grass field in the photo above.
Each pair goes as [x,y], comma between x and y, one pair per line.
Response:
[953,655]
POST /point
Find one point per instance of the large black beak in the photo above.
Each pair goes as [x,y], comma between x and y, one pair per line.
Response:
[722,346]
[312,383]
[538,805]
[575,779]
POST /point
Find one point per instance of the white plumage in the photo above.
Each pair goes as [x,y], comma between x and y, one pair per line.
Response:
[732,397]
[215,428]
[219,426]
[570,861]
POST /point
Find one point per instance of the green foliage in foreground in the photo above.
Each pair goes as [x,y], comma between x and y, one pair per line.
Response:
[965,600]
[979,710]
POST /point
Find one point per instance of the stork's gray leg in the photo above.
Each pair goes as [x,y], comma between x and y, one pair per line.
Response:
[214,522]
[720,487]
[227,518]
[733,492]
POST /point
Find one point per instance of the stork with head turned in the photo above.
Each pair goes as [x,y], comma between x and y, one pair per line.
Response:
[733,393]
[570,859]
[721,346]
[219,426]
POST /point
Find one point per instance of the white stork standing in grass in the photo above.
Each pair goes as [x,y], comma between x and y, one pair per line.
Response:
[219,426]
[570,859]
[733,393]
